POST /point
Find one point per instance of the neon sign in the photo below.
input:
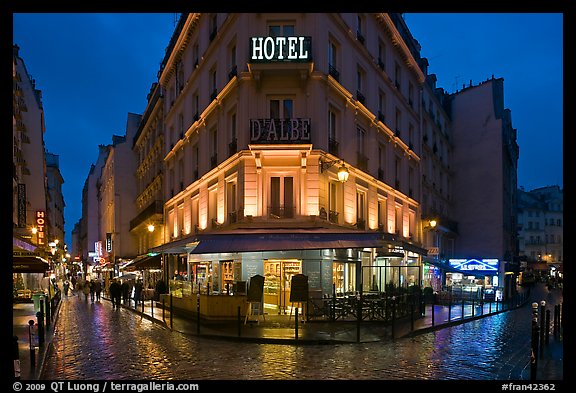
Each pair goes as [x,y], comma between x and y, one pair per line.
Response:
[284,49]
[486,265]
[40,223]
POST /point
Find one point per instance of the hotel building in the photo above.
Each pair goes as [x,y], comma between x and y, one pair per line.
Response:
[292,146]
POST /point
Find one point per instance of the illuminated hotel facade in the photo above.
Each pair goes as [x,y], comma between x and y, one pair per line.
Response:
[261,113]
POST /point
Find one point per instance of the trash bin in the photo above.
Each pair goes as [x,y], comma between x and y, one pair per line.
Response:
[36,299]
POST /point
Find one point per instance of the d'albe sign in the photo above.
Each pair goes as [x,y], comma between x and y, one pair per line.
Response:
[280,48]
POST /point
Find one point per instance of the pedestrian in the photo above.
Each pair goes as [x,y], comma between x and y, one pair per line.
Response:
[92,290]
[73,285]
[66,286]
[125,291]
[86,289]
[137,292]
[98,289]
[115,291]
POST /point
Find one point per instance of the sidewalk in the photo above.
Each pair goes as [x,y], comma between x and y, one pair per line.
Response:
[22,313]
[281,329]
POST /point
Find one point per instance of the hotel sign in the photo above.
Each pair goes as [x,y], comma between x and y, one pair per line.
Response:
[482,265]
[41,224]
[280,131]
[280,49]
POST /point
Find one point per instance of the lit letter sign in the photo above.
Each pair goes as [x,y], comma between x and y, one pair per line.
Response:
[280,131]
[482,265]
[40,223]
[283,49]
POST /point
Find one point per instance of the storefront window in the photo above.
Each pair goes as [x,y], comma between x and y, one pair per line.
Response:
[277,278]
[344,277]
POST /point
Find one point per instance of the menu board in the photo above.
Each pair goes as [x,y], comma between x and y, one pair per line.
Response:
[314,280]
[299,288]
[255,288]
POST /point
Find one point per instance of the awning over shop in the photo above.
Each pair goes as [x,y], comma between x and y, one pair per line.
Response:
[144,262]
[538,266]
[284,241]
[29,264]
[449,269]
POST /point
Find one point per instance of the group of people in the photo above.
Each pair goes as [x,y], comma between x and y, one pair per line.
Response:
[92,288]
[120,292]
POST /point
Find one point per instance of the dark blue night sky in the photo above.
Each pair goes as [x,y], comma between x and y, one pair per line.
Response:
[93,69]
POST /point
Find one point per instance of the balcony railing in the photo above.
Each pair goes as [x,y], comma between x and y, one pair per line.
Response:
[233,72]
[362,161]
[281,212]
[360,97]
[333,72]
[333,146]
[233,147]
[360,223]
[333,216]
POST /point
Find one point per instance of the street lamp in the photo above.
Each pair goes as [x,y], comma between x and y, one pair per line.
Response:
[343,172]
[150,227]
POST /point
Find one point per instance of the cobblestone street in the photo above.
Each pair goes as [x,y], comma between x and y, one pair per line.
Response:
[93,341]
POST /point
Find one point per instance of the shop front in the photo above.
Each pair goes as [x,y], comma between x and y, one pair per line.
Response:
[335,264]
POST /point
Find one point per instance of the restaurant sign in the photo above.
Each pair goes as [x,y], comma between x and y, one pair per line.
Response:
[280,49]
[486,265]
[280,130]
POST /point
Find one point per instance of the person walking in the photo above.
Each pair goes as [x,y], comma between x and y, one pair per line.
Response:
[86,289]
[115,293]
[125,292]
[92,290]
[66,287]
[98,289]
[137,292]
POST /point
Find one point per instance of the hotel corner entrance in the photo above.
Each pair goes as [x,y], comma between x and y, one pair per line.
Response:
[277,277]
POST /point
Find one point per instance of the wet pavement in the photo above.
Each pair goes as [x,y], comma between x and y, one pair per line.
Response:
[94,341]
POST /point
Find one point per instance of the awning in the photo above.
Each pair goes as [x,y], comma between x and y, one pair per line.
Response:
[207,244]
[447,268]
[29,264]
[538,266]
[283,240]
[144,262]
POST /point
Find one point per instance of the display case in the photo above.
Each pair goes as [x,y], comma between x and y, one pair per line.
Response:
[338,277]
[227,274]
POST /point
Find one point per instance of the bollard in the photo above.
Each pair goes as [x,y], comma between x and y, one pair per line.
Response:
[163,310]
[533,355]
[393,315]
[450,306]
[152,307]
[542,326]
[433,307]
[16,357]
[556,320]
[547,326]
[296,322]
[462,307]
[32,351]
[171,313]
[412,316]
[472,307]
[47,311]
[358,317]
[490,307]
[239,323]
[198,309]
[333,302]
[40,319]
